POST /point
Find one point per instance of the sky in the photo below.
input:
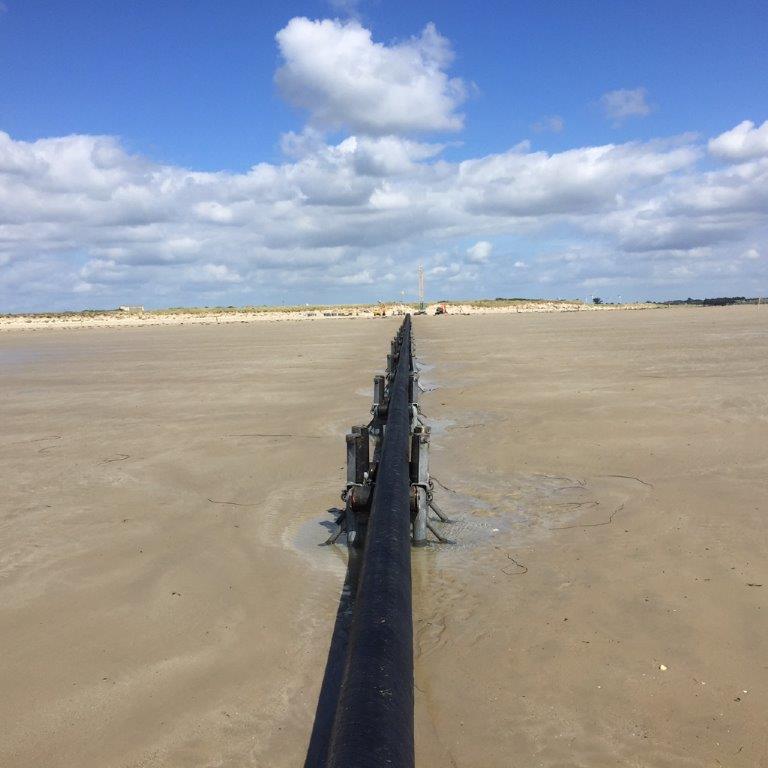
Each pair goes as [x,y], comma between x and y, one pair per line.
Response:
[201,153]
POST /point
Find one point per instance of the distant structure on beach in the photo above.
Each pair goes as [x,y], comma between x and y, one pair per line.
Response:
[127,308]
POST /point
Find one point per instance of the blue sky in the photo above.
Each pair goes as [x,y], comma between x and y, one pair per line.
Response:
[524,95]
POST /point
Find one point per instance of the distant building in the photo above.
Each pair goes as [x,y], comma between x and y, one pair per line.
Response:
[126,308]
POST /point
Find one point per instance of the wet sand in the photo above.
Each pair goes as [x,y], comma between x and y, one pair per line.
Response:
[624,460]
[155,609]
[163,601]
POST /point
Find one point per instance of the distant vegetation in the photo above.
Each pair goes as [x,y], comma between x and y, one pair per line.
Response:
[720,301]
[75,313]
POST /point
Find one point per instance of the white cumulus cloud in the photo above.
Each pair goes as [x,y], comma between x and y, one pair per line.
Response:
[744,142]
[336,71]
[479,252]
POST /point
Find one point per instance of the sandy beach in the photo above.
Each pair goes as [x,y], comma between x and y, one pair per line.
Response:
[163,600]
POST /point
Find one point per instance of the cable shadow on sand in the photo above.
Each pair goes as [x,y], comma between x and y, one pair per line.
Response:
[319,741]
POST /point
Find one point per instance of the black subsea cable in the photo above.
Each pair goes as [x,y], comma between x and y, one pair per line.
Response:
[373,725]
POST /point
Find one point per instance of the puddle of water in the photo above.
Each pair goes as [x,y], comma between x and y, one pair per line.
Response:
[310,535]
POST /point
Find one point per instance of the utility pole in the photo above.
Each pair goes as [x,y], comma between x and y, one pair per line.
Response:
[421,287]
